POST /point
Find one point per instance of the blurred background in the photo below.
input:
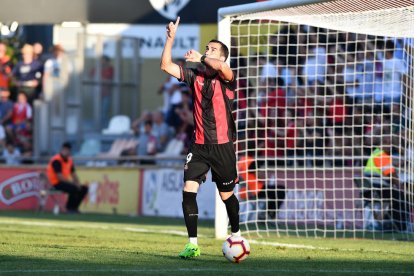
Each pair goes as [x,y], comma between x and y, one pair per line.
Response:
[87,72]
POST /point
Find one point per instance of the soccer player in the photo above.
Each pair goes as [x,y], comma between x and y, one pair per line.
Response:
[212,146]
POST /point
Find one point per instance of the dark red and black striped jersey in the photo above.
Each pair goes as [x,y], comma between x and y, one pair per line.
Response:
[212,100]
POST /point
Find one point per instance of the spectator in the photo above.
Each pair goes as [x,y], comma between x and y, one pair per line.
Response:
[294,138]
[2,138]
[11,154]
[315,140]
[62,175]
[6,66]
[38,53]
[167,89]
[394,71]
[22,112]
[28,73]
[353,76]
[138,125]
[160,130]
[147,143]
[315,66]
[380,165]
[268,70]
[20,129]
[337,110]
[6,107]
[106,77]
[57,71]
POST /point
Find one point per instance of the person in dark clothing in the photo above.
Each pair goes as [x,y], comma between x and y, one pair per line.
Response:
[62,175]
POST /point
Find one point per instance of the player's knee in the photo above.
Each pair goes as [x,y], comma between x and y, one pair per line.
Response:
[191,186]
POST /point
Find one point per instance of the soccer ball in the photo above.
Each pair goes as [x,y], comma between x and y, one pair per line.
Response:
[236,249]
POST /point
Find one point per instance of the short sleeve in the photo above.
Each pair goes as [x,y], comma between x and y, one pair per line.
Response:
[231,85]
[187,75]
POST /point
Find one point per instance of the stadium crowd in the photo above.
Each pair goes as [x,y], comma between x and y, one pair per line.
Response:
[23,74]
[322,99]
[20,83]
[318,99]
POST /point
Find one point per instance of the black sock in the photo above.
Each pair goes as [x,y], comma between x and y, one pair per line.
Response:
[232,207]
[190,210]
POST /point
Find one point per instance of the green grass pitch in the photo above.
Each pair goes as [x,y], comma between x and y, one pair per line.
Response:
[44,244]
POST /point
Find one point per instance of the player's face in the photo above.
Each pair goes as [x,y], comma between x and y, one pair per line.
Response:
[213,50]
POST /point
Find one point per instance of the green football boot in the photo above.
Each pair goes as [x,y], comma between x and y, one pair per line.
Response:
[190,251]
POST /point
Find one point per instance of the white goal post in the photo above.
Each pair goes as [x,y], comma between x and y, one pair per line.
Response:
[324,111]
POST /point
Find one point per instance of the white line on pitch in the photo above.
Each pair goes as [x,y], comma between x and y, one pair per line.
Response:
[176,232]
[95,226]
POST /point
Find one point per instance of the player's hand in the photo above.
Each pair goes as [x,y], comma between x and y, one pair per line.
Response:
[172,28]
[192,56]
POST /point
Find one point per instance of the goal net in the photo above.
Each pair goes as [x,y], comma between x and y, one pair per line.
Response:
[325,117]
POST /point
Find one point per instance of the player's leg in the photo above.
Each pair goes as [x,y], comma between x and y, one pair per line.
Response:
[190,209]
[232,208]
[224,172]
[194,174]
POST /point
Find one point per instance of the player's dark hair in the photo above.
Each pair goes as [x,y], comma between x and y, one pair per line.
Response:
[224,49]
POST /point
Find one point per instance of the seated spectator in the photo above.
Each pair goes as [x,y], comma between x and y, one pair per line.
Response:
[2,138]
[62,175]
[178,101]
[11,154]
[167,89]
[6,66]
[394,71]
[160,130]
[20,129]
[28,73]
[315,66]
[21,116]
[138,125]
[268,70]
[147,143]
[6,107]
[337,110]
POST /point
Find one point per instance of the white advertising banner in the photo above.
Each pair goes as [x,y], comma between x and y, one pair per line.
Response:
[151,38]
[162,194]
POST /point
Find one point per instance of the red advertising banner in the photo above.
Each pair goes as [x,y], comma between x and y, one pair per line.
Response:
[20,189]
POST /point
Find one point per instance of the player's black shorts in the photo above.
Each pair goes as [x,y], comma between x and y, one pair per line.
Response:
[221,158]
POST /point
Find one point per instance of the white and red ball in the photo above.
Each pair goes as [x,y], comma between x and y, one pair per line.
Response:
[236,249]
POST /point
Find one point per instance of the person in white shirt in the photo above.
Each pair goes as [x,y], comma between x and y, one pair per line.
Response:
[315,67]
[11,154]
[393,72]
[57,71]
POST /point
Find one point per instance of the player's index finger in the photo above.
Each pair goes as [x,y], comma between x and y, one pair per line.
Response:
[177,21]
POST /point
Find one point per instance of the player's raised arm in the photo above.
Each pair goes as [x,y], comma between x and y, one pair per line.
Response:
[167,65]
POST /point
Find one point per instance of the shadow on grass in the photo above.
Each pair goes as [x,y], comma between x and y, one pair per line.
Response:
[106,218]
[205,265]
